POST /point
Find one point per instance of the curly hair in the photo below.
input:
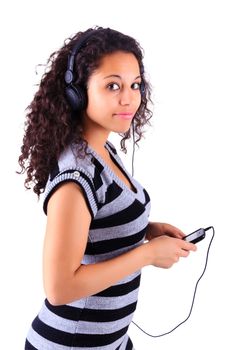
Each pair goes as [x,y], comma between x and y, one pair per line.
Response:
[51,125]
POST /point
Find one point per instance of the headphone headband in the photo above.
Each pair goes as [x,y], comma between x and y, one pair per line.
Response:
[69,76]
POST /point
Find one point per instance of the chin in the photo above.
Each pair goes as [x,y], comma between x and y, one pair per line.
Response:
[122,131]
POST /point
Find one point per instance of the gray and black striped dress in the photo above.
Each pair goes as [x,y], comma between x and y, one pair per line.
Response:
[119,221]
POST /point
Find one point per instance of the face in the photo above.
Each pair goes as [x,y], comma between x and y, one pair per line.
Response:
[113,92]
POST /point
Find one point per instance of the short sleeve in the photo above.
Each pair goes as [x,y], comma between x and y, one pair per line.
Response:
[81,178]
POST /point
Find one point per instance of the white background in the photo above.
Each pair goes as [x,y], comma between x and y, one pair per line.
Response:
[185,160]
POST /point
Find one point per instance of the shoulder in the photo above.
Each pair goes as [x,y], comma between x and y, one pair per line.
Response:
[70,168]
[69,161]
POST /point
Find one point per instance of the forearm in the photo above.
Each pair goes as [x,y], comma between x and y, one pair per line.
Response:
[93,278]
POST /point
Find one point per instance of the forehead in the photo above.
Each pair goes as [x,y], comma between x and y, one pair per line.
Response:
[118,62]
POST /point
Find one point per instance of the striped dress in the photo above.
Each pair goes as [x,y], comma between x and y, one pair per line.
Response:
[119,221]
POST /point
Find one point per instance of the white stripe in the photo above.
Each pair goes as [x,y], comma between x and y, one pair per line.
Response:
[112,303]
[43,344]
[85,327]
[103,327]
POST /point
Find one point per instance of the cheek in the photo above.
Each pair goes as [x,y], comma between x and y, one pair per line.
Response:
[138,101]
[93,103]
[97,108]
[94,95]
[100,103]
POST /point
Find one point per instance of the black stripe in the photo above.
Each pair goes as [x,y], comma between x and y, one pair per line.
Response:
[147,197]
[129,345]
[91,315]
[109,245]
[97,180]
[28,346]
[94,340]
[112,148]
[65,311]
[52,334]
[121,289]
[113,191]
[97,164]
[77,339]
[122,217]
[54,172]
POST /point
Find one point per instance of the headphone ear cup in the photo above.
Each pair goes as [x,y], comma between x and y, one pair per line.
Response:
[76,97]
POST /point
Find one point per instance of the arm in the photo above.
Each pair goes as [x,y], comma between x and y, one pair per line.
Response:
[65,279]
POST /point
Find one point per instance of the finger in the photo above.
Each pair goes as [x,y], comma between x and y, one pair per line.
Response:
[173,231]
[177,232]
[189,246]
[184,253]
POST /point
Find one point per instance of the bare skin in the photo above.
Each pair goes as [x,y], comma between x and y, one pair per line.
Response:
[112,89]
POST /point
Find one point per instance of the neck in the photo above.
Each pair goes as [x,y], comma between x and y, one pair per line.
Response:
[97,141]
[95,135]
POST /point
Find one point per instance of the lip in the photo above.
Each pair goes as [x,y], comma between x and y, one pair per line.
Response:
[124,115]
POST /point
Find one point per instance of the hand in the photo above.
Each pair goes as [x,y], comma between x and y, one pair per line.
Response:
[157,229]
[164,251]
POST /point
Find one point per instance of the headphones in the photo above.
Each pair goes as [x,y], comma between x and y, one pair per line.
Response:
[76,95]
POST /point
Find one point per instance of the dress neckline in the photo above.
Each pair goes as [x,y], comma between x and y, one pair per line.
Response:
[133,189]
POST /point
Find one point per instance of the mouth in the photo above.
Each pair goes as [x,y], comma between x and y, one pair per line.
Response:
[124,115]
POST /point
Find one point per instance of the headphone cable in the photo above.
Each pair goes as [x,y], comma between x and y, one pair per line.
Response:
[133,154]
[194,294]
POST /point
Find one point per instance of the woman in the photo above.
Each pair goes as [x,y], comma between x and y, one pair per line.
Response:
[98,236]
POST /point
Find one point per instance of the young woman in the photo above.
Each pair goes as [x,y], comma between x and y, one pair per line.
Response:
[98,236]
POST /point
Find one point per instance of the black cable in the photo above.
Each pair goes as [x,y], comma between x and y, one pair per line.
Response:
[194,294]
[133,154]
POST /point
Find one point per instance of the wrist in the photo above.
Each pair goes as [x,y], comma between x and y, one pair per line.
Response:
[146,253]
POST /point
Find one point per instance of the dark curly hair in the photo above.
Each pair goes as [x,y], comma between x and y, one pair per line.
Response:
[51,125]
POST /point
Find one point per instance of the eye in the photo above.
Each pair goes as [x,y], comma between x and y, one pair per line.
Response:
[113,86]
[136,86]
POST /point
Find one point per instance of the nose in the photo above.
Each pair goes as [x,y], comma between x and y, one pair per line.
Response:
[126,96]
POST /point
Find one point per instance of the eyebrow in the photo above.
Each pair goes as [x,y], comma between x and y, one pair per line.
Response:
[118,76]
